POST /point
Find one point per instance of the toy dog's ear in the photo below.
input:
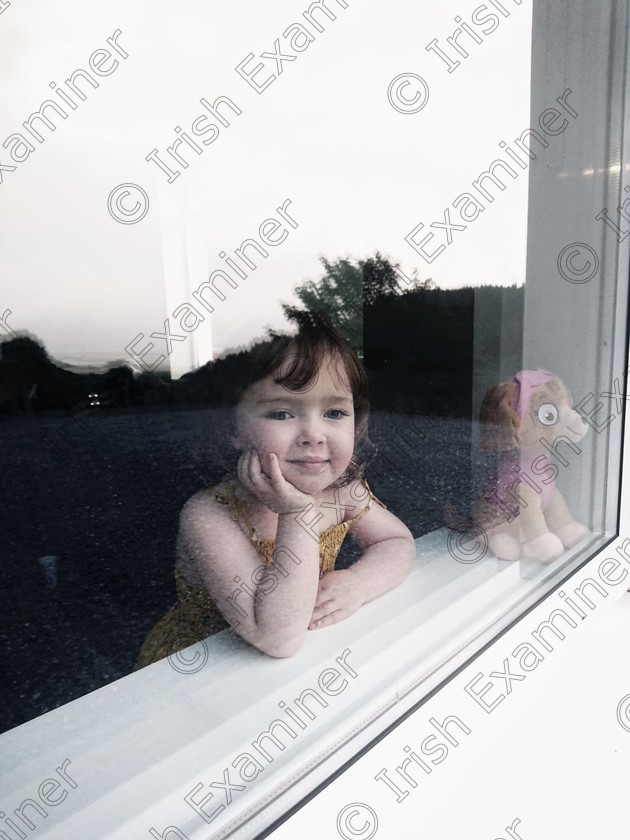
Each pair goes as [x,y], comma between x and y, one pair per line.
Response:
[500,424]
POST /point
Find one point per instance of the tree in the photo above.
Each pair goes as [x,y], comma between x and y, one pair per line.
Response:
[338,295]
[28,352]
[379,279]
[346,288]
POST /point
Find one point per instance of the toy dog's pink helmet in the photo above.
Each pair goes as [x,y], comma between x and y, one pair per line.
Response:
[527,381]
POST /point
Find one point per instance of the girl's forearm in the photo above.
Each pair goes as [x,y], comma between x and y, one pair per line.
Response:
[283,614]
[383,566]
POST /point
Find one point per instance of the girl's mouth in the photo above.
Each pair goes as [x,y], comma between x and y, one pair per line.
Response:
[310,465]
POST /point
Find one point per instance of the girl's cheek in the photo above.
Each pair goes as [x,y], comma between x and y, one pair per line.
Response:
[263,453]
[265,441]
[255,429]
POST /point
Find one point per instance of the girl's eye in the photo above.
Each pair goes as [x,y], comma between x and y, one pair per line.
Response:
[280,414]
[548,414]
[337,411]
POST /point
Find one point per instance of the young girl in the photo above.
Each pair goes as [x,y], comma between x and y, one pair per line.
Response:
[258,551]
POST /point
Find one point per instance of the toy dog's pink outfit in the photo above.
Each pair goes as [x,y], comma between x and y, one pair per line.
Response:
[516,465]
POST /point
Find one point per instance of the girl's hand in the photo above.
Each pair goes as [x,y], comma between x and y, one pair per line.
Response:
[338,596]
[272,490]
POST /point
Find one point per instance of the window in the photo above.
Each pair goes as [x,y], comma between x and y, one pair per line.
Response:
[460,223]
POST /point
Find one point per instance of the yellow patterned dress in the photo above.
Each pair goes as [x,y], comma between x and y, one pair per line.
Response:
[195,616]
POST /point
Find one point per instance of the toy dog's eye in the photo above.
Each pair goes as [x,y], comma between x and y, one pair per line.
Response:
[547,414]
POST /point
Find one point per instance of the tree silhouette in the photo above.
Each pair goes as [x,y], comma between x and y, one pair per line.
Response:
[338,294]
[29,353]
[350,292]
[379,279]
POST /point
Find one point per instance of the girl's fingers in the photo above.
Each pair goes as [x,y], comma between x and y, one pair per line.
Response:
[259,480]
[254,465]
[322,608]
[326,620]
[322,598]
[241,470]
[244,466]
[246,471]
[256,470]
[264,466]
[277,479]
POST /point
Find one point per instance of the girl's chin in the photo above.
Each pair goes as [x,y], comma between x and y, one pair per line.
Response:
[311,479]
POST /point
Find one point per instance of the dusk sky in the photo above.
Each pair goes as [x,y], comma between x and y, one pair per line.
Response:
[359,174]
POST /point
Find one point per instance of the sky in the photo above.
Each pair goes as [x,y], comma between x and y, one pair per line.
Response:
[329,133]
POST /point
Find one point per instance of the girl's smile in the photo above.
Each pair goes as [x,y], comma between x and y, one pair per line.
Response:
[315,465]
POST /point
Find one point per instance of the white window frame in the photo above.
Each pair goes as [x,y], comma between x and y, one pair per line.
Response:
[96,728]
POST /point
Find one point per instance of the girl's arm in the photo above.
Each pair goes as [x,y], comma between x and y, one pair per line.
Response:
[270,606]
[390,553]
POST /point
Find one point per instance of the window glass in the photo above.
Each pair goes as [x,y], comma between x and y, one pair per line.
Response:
[187,193]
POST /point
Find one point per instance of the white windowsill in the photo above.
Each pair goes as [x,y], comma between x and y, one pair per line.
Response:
[138,746]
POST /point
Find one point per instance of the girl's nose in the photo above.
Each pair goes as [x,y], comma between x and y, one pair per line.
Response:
[312,431]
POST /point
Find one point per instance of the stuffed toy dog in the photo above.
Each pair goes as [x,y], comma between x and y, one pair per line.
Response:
[521,509]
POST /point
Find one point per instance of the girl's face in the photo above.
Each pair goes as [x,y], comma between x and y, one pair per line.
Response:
[311,431]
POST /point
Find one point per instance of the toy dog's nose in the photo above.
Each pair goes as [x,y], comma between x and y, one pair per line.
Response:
[579,424]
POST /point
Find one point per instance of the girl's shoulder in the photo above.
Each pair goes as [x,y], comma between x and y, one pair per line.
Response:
[210,502]
[357,499]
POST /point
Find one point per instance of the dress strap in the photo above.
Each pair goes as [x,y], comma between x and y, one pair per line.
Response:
[238,508]
[224,499]
[372,498]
